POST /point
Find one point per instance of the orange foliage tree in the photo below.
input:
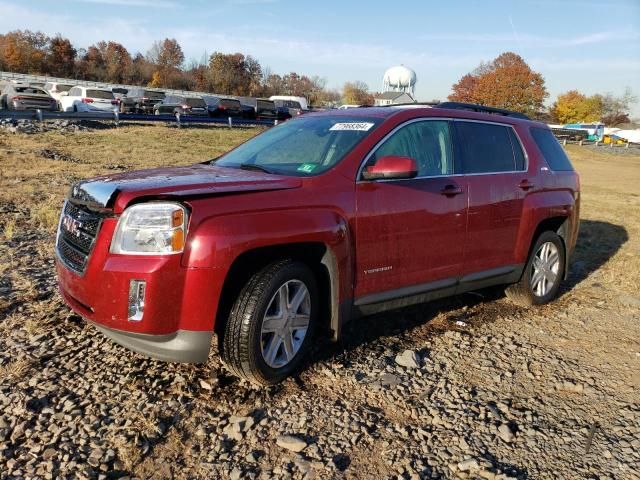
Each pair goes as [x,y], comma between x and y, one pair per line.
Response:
[506,82]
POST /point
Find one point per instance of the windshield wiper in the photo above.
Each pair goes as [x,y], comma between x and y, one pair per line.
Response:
[253,166]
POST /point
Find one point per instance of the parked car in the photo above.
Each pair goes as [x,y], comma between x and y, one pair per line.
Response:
[264,109]
[183,105]
[297,102]
[219,107]
[56,89]
[140,100]
[88,99]
[17,96]
[316,221]
[292,106]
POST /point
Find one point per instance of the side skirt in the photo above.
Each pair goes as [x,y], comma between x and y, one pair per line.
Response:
[415,294]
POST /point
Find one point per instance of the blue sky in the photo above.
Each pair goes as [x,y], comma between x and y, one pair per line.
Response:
[590,45]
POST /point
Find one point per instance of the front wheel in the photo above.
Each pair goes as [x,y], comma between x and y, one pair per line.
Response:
[271,323]
[543,273]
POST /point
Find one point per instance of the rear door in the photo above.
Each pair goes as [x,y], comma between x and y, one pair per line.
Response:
[494,167]
[410,233]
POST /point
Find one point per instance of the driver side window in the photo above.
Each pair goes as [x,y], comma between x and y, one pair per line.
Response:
[428,142]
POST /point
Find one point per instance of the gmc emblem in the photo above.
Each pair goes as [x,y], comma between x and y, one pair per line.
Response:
[71,225]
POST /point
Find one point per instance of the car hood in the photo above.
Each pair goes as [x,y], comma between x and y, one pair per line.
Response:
[117,191]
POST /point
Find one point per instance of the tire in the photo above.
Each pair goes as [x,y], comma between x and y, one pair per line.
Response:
[531,291]
[249,347]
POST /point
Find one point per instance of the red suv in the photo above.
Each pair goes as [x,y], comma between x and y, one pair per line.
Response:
[323,218]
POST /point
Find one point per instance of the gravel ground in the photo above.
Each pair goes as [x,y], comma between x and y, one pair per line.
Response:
[471,387]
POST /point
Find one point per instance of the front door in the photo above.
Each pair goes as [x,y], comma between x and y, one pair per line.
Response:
[410,233]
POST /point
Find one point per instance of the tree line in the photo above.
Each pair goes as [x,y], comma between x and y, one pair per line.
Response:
[163,66]
[505,82]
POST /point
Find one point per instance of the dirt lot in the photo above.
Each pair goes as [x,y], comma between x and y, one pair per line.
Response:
[498,392]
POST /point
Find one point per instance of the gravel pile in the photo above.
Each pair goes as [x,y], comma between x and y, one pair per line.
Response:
[28,126]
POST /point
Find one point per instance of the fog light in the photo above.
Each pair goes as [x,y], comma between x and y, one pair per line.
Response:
[136,299]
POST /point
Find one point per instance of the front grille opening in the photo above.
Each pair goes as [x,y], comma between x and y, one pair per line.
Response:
[77,234]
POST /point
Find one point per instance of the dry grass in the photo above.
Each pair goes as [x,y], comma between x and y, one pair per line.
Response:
[29,179]
[15,369]
[9,228]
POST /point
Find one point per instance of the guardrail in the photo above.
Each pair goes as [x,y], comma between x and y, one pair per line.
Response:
[117,117]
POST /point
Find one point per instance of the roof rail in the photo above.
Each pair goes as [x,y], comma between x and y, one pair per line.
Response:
[481,109]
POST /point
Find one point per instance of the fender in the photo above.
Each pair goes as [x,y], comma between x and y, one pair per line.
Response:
[539,206]
[219,240]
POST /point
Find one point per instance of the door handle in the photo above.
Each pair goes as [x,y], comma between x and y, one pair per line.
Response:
[525,185]
[451,190]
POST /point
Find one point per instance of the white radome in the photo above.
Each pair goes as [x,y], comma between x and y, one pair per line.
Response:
[399,78]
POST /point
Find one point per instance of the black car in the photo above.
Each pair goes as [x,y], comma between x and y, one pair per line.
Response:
[173,104]
[139,100]
[264,109]
[224,107]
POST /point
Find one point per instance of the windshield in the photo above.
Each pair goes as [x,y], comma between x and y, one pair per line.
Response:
[302,147]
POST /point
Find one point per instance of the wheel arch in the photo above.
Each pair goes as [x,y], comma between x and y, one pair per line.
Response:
[559,225]
[318,256]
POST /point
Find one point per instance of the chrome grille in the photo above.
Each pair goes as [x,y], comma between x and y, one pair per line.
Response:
[77,233]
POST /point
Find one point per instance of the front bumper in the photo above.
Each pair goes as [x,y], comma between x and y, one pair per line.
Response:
[180,302]
[180,346]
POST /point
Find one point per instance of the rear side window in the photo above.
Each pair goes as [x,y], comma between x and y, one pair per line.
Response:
[196,102]
[486,148]
[551,150]
[517,151]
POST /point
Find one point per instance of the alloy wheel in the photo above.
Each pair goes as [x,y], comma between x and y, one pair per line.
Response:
[285,323]
[545,268]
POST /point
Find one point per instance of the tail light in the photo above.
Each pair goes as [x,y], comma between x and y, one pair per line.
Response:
[87,100]
[222,108]
[115,102]
[18,97]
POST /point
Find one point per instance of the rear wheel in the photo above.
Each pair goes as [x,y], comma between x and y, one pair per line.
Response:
[543,273]
[271,323]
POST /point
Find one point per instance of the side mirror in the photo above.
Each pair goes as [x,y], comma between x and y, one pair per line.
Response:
[391,167]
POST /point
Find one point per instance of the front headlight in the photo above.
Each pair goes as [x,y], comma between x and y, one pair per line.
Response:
[151,229]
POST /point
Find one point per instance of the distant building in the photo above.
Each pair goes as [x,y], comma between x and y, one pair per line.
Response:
[392,98]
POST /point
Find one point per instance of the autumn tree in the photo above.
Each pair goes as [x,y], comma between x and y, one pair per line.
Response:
[117,62]
[506,82]
[574,107]
[61,57]
[234,74]
[25,51]
[615,110]
[356,93]
[168,58]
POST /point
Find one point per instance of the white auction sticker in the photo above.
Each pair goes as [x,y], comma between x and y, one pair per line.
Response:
[353,126]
